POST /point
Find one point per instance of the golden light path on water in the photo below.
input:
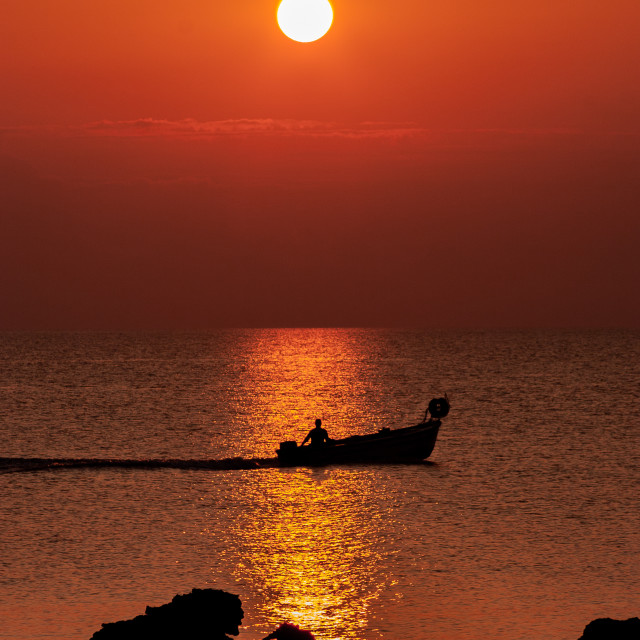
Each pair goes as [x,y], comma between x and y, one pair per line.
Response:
[310,547]
[311,552]
[284,380]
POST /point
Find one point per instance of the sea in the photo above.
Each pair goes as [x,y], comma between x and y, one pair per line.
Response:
[138,466]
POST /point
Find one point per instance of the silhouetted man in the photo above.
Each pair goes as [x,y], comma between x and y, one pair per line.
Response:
[318,436]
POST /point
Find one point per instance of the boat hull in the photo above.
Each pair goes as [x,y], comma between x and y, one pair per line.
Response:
[410,444]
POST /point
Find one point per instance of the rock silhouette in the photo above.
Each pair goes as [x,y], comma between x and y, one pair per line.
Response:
[289,632]
[211,614]
[203,614]
[609,629]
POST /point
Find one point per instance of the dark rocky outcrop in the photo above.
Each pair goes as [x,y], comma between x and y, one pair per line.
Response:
[609,629]
[289,632]
[203,614]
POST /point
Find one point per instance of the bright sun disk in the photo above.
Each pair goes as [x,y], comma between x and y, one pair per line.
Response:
[305,20]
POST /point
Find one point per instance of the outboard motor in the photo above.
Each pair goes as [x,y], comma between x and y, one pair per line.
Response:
[438,408]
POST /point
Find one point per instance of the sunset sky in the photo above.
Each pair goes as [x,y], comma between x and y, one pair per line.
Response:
[183,164]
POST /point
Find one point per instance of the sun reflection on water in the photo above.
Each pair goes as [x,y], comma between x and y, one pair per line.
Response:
[312,547]
[311,552]
[283,380]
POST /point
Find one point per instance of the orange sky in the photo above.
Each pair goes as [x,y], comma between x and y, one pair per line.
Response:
[184,164]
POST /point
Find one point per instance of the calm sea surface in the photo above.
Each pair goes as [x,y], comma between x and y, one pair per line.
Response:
[525,526]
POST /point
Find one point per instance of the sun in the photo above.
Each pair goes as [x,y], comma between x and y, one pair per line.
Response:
[305,20]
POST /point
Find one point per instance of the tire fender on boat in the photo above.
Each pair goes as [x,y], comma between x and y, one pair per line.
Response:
[439,408]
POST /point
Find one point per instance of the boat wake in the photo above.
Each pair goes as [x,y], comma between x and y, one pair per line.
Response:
[13,465]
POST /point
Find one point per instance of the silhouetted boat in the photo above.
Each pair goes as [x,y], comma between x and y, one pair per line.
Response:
[408,444]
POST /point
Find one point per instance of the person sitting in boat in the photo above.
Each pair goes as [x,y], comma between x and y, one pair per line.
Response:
[318,436]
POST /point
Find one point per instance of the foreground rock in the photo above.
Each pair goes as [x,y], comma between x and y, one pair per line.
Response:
[203,614]
[609,629]
[289,632]
[208,614]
